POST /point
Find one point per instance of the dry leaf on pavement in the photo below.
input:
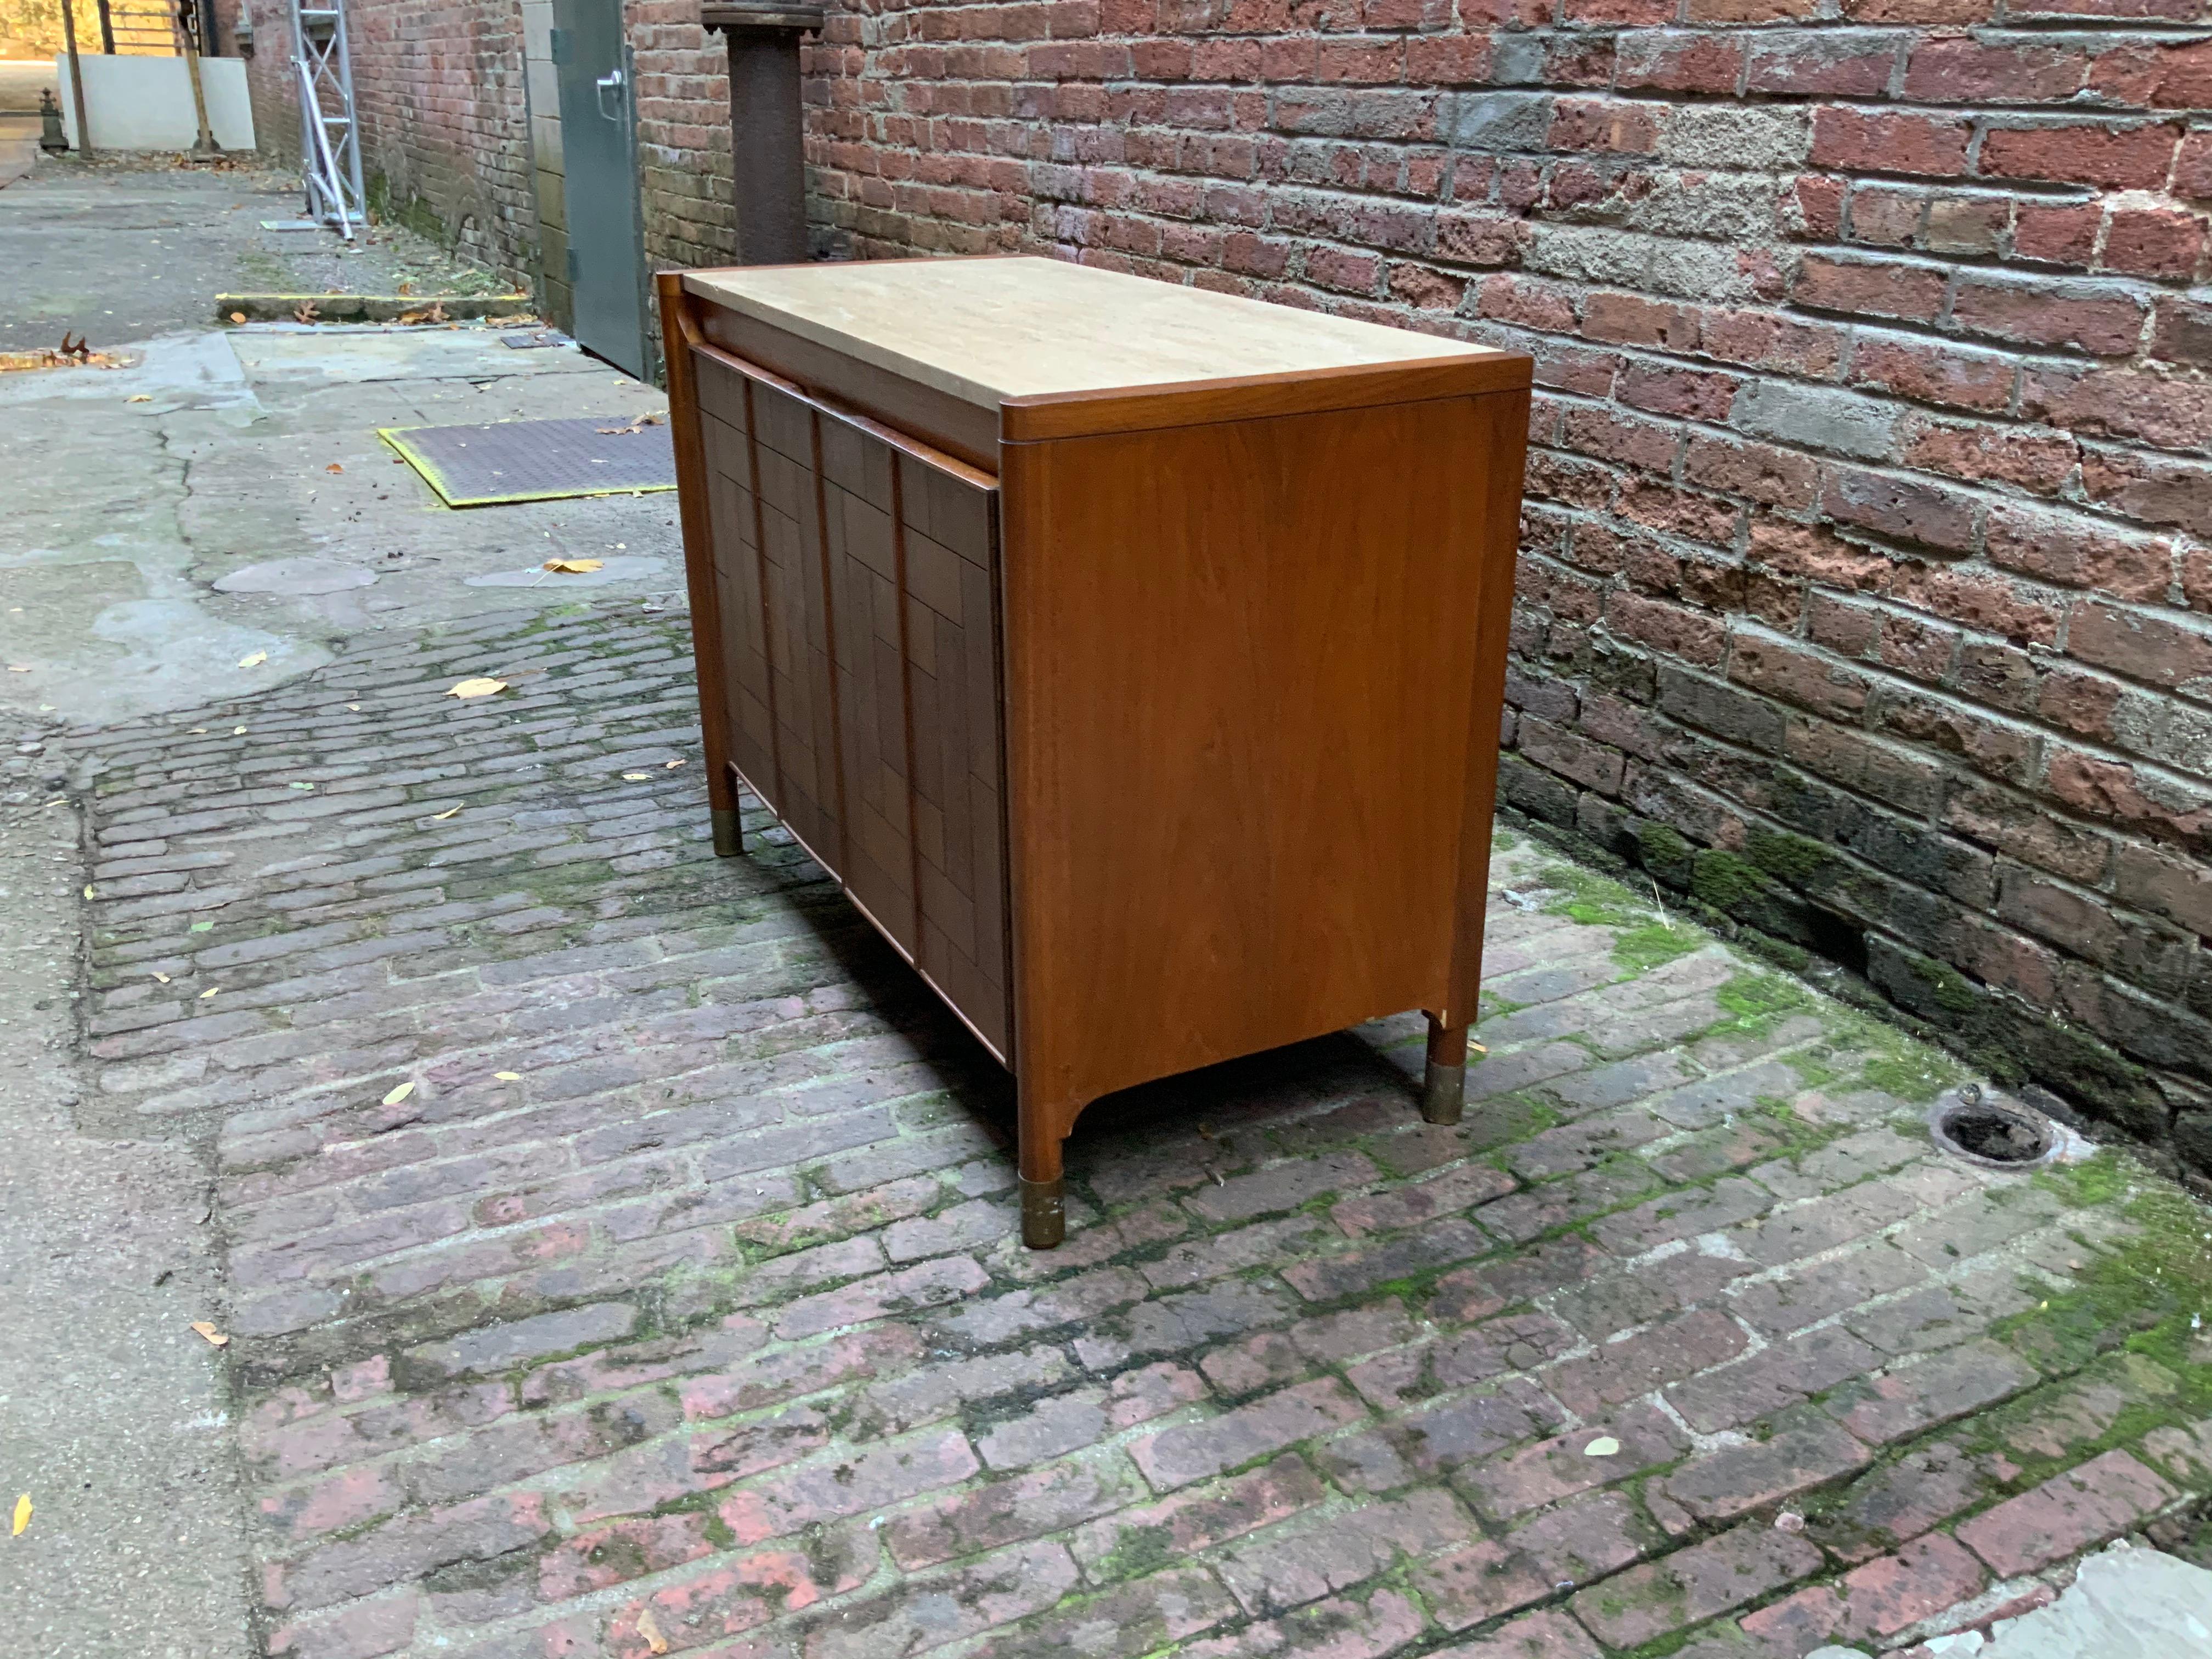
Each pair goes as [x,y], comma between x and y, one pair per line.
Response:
[1604,1446]
[674,764]
[574,567]
[22,1516]
[161,976]
[139,398]
[448,813]
[216,1338]
[210,992]
[635,777]
[88,892]
[237,316]
[477,688]
[399,1094]
[646,1627]
[508,1077]
[334,467]
[254,660]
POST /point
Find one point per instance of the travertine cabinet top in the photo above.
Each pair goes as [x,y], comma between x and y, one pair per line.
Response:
[987,330]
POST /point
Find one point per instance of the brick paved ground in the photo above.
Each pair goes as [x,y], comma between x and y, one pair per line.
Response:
[675,1307]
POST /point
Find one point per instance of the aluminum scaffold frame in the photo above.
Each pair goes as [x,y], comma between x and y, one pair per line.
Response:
[330,139]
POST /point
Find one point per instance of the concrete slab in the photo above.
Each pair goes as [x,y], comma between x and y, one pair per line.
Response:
[114,1416]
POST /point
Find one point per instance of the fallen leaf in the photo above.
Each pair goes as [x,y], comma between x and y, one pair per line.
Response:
[254,660]
[210,992]
[334,467]
[196,731]
[477,688]
[87,891]
[574,567]
[19,668]
[161,976]
[1789,1521]
[1604,1446]
[406,288]
[199,927]
[22,1516]
[237,316]
[448,813]
[654,1641]
[139,398]
[674,764]
[300,786]
[216,1338]
[1479,1047]
[628,777]
[237,730]
[304,312]
[399,1093]
[508,1077]
[355,707]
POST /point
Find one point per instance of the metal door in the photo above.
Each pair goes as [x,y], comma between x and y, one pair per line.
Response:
[606,254]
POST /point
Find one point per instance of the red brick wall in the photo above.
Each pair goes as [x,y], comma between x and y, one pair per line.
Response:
[683,135]
[1866,590]
[1867,581]
[439,92]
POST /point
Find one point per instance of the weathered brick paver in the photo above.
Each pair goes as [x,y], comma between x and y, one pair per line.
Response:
[621,1255]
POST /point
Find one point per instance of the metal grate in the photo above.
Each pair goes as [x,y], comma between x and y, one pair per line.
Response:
[537,460]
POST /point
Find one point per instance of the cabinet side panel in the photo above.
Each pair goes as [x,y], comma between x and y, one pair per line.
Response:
[1240,673]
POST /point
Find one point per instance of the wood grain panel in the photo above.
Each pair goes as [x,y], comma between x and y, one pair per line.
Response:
[866,692]
[799,622]
[734,528]
[1240,677]
[949,533]
[860,528]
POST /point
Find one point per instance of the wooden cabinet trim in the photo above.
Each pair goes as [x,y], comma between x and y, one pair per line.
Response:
[1259,397]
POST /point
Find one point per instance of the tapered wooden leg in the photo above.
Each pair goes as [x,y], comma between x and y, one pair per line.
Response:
[1444,1090]
[1044,1203]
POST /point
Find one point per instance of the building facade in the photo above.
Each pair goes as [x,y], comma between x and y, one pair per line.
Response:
[1865,588]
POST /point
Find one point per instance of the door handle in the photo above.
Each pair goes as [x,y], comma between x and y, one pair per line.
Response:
[607,83]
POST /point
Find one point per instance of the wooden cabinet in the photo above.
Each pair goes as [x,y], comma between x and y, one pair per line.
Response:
[1133,655]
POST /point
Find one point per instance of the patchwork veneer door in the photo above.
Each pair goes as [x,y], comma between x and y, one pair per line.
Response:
[855,571]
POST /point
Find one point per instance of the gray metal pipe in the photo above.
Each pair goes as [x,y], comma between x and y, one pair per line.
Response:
[766,130]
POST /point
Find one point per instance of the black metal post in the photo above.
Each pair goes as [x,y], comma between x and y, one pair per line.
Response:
[767,132]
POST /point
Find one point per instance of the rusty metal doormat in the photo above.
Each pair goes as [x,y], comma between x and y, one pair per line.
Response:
[539,461]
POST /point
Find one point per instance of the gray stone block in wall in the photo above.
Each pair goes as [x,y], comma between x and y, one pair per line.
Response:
[1499,121]
[1816,417]
[1759,139]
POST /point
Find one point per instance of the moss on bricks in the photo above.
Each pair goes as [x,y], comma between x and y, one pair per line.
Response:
[1725,881]
[2149,1291]
[1785,857]
[1654,944]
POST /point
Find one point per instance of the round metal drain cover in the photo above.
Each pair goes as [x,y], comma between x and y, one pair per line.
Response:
[1991,1130]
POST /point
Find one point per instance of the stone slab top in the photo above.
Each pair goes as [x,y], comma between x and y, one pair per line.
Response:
[989,329]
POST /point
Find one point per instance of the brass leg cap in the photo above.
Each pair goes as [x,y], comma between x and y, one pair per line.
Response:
[1044,1213]
[729,837]
[1445,1093]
